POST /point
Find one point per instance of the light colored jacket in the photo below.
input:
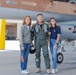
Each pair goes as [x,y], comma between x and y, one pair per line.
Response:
[25,35]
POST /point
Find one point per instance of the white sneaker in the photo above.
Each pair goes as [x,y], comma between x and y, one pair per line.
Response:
[56,70]
[25,72]
[53,71]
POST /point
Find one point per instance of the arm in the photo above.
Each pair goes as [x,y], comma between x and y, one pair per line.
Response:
[21,37]
[32,33]
[58,38]
[49,34]
[58,35]
[21,44]
[57,41]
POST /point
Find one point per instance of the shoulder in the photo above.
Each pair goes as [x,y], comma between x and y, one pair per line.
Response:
[58,27]
[33,25]
[46,24]
[22,26]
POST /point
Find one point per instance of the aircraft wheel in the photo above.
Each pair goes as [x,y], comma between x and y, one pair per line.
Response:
[60,57]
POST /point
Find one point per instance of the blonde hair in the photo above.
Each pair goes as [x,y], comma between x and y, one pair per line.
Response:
[25,19]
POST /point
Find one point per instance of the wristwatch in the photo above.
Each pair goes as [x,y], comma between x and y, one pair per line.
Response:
[57,43]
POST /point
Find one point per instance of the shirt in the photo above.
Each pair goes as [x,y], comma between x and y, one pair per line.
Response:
[27,27]
[54,33]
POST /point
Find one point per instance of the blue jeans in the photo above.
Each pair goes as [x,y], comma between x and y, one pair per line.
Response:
[54,53]
[25,54]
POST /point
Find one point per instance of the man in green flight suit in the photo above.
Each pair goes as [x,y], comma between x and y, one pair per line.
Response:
[41,30]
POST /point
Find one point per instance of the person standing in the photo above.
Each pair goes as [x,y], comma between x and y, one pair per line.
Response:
[25,41]
[41,30]
[55,32]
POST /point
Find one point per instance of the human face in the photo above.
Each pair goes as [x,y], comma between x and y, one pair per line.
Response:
[40,18]
[27,20]
[53,22]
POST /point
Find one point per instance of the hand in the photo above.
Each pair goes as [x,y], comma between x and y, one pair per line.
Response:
[48,44]
[22,58]
[22,48]
[49,33]
[55,46]
[31,44]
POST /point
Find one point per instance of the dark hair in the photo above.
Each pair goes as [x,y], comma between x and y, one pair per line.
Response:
[55,23]
[25,22]
[39,14]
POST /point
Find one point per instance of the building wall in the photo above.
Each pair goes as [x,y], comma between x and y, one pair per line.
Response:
[18,29]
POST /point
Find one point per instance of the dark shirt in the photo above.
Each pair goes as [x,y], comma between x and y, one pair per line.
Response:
[54,33]
[41,26]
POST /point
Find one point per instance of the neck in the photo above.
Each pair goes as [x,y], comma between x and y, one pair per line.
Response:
[41,22]
[53,25]
[27,25]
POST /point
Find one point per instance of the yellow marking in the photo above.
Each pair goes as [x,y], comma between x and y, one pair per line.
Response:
[2,34]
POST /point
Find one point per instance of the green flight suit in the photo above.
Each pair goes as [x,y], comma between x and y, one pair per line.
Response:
[41,38]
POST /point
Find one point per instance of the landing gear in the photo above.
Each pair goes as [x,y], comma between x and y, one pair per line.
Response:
[60,57]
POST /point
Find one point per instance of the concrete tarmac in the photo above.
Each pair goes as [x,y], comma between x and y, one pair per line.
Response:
[9,64]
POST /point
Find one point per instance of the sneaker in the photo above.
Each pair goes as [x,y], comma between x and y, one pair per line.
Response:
[53,71]
[24,72]
[56,70]
[48,71]
[38,70]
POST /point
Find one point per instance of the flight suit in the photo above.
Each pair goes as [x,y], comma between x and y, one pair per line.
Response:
[41,37]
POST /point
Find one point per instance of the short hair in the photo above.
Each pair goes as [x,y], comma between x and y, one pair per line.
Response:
[52,18]
[39,14]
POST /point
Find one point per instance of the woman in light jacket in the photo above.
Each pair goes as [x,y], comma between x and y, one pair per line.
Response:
[25,40]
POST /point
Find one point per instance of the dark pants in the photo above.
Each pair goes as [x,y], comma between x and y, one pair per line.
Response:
[25,54]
